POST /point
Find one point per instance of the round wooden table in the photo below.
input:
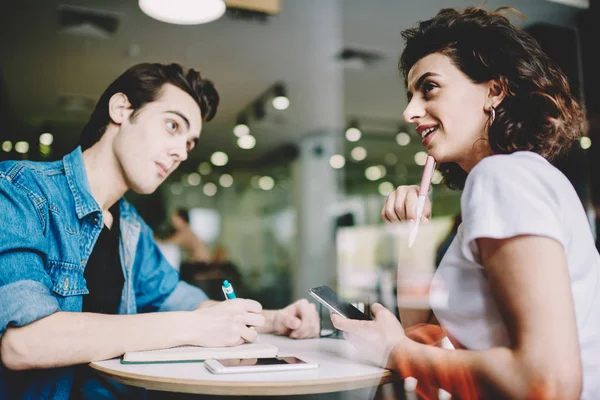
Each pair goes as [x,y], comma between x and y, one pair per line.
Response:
[339,370]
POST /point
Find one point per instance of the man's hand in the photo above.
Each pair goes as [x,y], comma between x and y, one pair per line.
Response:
[299,320]
[376,338]
[224,323]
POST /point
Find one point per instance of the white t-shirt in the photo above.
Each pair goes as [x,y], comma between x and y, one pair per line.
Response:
[506,196]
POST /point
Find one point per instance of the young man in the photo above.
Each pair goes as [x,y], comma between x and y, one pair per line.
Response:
[81,278]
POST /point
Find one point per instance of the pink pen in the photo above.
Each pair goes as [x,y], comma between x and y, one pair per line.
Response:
[423,190]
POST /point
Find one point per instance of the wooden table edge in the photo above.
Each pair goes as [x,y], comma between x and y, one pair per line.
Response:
[246,388]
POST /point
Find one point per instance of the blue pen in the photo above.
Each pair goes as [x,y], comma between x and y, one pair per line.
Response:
[228,290]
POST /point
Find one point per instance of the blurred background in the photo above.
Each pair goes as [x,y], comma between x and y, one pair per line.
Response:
[285,189]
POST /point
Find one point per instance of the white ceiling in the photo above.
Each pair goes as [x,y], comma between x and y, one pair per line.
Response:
[243,58]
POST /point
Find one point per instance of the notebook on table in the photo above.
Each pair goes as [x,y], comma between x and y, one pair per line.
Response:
[199,354]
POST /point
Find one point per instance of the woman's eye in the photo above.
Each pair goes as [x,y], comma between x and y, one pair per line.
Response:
[428,87]
[171,126]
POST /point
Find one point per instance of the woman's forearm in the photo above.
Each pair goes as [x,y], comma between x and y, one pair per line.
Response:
[472,374]
[426,333]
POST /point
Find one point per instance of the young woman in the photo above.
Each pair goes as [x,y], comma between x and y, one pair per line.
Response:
[522,274]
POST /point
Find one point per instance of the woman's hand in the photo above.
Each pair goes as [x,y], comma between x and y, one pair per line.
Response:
[401,205]
[375,339]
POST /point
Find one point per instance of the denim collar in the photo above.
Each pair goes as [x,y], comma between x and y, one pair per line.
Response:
[76,174]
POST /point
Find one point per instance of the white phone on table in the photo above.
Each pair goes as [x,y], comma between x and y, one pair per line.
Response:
[245,365]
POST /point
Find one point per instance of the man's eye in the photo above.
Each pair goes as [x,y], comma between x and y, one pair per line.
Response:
[171,126]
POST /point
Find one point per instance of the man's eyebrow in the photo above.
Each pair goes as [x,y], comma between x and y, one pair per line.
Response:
[183,117]
[420,82]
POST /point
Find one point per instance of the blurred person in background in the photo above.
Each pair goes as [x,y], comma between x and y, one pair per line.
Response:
[199,266]
[81,277]
[184,237]
[522,274]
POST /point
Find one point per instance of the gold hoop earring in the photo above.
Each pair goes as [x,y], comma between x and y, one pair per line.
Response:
[492,115]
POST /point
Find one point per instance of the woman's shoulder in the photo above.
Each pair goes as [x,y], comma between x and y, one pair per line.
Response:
[509,162]
[518,166]
[522,171]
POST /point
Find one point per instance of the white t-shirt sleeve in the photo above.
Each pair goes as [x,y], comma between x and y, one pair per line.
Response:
[508,196]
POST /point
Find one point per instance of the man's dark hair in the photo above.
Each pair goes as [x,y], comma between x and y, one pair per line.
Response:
[142,84]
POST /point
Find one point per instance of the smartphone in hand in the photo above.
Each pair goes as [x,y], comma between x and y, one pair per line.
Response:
[330,299]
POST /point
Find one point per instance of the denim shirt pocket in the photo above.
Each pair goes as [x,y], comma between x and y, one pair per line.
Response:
[67,279]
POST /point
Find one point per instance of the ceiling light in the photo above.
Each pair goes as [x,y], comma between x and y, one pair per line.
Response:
[266,183]
[585,142]
[46,138]
[358,153]
[194,179]
[353,134]
[241,127]
[375,172]
[246,142]
[226,180]
[22,147]
[337,161]
[421,158]
[204,168]
[209,189]
[281,101]
[403,138]
[437,177]
[7,146]
[390,159]
[183,12]
[219,158]
[385,188]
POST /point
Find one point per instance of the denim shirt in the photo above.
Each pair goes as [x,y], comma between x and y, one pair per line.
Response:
[49,223]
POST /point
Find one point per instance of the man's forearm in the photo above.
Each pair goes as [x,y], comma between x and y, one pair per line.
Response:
[68,338]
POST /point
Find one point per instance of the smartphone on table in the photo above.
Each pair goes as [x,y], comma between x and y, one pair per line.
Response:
[326,296]
[245,365]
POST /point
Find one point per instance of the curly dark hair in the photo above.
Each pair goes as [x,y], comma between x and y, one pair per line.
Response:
[538,112]
[142,84]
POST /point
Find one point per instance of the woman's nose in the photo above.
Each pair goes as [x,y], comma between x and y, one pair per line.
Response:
[413,110]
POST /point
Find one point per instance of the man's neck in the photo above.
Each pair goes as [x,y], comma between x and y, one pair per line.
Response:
[104,173]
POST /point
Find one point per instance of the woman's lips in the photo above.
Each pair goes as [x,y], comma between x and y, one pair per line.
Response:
[427,139]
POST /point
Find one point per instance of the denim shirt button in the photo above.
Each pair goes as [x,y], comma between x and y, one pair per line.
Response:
[83,262]
[66,284]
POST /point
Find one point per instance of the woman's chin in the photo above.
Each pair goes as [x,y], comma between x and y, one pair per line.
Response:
[440,155]
[436,154]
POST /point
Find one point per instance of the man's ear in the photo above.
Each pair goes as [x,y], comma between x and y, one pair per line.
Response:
[497,90]
[119,108]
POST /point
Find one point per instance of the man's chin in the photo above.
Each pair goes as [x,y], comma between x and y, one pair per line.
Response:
[144,189]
